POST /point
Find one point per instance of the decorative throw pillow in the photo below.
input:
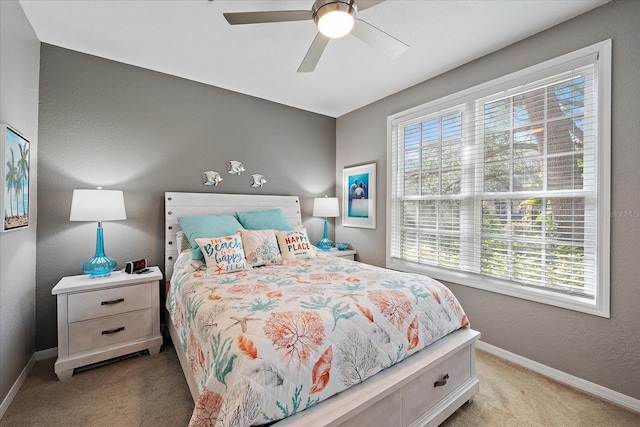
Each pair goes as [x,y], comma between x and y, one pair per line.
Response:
[272,219]
[182,241]
[207,226]
[223,254]
[260,247]
[295,245]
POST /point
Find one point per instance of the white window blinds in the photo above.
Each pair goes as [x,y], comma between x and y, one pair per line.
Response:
[502,186]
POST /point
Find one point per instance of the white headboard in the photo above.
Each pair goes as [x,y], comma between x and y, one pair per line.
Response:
[190,204]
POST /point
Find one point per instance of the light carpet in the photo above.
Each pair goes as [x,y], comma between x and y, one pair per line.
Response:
[151,391]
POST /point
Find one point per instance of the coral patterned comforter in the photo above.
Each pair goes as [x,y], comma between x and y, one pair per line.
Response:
[266,343]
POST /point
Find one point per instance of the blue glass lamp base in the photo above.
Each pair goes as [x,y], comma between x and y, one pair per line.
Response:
[324,244]
[100,266]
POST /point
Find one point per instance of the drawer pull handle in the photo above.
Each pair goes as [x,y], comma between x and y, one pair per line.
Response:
[115,301]
[113,331]
[442,382]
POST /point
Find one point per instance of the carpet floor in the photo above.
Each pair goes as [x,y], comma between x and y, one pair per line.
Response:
[151,391]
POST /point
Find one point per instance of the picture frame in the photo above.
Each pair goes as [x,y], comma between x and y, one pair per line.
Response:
[15,154]
[359,196]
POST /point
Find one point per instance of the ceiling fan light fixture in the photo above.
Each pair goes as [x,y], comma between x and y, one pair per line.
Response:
[333,18]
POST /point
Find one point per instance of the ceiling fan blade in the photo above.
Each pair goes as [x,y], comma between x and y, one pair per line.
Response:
[378,39]
[236,18]
[366,4]
[313,54]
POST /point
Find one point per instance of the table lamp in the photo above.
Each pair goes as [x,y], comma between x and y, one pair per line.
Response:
[326,207]
[98,205]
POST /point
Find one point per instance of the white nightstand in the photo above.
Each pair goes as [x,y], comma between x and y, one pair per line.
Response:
[348,253]
[106,317]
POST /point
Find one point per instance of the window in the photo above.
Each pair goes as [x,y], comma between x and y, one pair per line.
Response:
[505,186]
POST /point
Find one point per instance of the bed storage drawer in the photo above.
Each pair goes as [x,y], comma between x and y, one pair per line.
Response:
[404,394]
[107,302]
[424,393]
[107,331]
[383,413]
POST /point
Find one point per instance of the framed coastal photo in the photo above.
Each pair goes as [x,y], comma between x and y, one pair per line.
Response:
[14,158]
[359,196]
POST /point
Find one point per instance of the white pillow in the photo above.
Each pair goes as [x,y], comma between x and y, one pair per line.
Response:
[223,254]
[295,245]
[260,247]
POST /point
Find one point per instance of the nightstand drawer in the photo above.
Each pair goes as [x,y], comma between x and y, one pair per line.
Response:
[106,331]
[107,302]
[102,318]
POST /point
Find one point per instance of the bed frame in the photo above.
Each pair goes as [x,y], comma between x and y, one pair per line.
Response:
[422,390]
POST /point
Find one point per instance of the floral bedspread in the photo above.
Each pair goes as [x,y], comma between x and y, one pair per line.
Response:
[266,343]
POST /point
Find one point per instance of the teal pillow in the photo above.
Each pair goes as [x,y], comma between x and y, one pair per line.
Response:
[207,227]
[272,219]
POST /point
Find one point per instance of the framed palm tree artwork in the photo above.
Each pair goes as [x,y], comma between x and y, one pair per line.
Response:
[14,158]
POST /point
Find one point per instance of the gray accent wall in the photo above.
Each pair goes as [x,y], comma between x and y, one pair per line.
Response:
[599,350]
[19,71]
[104,123]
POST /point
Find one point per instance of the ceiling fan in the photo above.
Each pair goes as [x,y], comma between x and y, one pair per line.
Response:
[334,19]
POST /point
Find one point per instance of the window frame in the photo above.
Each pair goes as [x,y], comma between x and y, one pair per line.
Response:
[600,53]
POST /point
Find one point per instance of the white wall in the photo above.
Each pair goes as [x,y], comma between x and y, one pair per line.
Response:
[19,84]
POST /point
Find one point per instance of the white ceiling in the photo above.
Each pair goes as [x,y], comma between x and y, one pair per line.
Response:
[191,39]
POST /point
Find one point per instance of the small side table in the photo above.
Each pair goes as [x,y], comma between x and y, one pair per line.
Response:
[348,253]
[106,317]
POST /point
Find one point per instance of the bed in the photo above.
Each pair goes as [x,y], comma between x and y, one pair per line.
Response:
[345,369]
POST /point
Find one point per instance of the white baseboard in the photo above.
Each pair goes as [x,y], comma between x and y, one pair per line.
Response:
[38,355]
[570,380]
[16,385]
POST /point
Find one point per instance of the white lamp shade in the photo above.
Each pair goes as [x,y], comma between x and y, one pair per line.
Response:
[326,207]
[97,205]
